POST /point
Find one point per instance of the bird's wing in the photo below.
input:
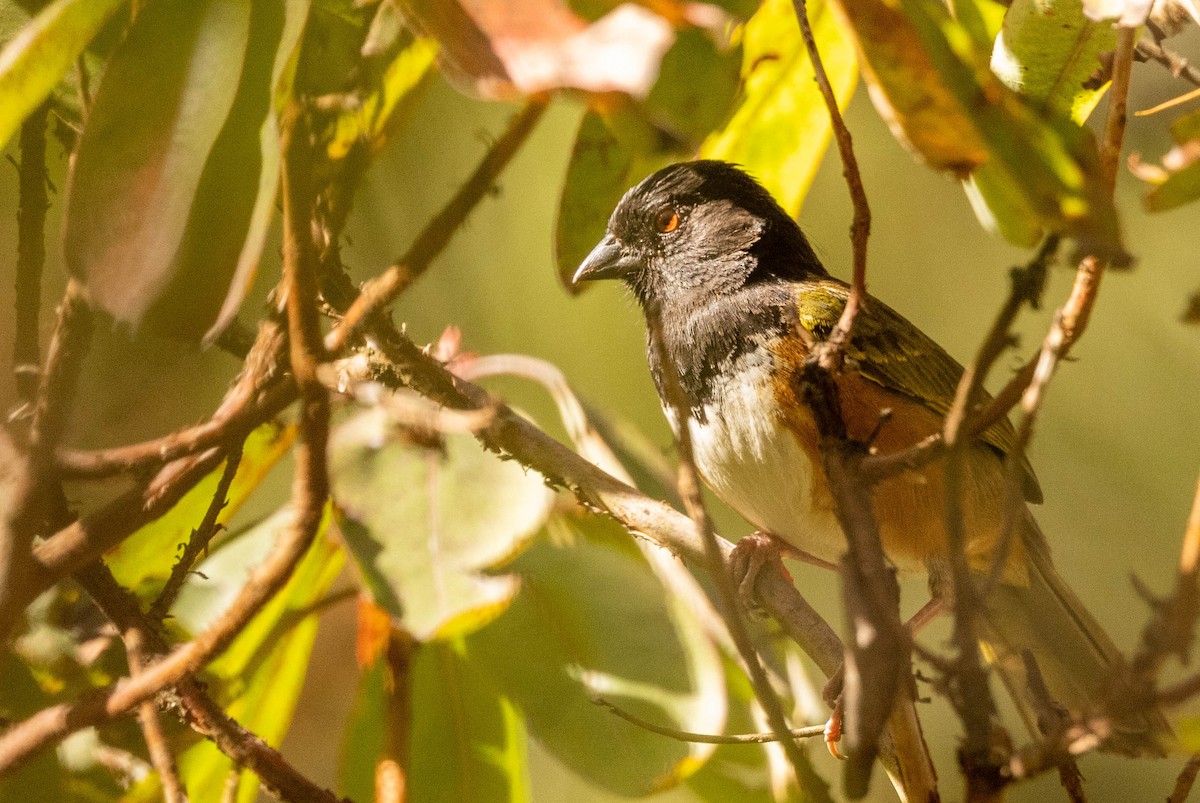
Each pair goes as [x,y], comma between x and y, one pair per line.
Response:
[890,351]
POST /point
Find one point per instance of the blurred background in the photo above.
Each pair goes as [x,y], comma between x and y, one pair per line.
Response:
[1117,448]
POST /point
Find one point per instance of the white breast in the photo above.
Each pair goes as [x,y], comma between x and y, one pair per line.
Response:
[755,465]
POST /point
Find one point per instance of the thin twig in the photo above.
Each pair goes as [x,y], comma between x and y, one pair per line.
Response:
[198,543]
[381,290]
[1118,107]
[259,394]
[973,699]
[1174,62]
[1183,783]
[1172,628]
[250,403]
[310,491]
[860,226]
[37,486]
[31,253]
[714,561]
[710,738]
[156,740]
[52,724]
[196,707]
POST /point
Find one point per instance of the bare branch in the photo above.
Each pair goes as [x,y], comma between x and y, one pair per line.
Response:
[1183,784]
[260,393]
[860,226]
[156,741]
[709,738]
[198,543]
[310,491]
[714,561]
[1177,64]
[31,253]
[246,749]
[29,514]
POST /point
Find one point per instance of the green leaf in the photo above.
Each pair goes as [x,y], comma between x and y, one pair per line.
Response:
[422,523]
[260,676]
[592,618]
[611,153]
[468,739]
[1180,188]
[235,175]
[696,85]
[780,97]
[1048,50]
[162,103]
[144,560]
[471,737]
[282,74]
[236,198]
[378,116]
[365,736]
[35,60]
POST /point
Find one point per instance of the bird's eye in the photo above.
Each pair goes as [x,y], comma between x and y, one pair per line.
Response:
[666,221]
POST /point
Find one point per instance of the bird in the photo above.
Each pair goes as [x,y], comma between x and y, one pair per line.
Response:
[741,299]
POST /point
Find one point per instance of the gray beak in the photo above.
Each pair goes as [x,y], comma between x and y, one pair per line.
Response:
[608,260]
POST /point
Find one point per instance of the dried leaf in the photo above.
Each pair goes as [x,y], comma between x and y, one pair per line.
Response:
[163,101]
[502,50]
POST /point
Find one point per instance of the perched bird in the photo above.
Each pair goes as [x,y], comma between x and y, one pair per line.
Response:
[741,299]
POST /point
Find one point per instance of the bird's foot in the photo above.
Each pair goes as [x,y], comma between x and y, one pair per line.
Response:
[758,549]
[833,731]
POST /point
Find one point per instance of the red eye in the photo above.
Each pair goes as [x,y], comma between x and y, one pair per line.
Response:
[667,221]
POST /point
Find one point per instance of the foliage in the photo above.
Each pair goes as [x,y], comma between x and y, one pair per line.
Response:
[493,607]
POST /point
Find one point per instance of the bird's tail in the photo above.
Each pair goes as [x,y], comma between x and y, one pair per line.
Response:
[1044,619]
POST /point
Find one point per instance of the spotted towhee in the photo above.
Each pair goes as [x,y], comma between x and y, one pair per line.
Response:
[741,298]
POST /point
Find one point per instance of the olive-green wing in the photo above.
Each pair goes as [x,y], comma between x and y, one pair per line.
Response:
[890,351]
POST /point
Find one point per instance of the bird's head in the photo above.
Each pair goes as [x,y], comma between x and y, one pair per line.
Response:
[694,231]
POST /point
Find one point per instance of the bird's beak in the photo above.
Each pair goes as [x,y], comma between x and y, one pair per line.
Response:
[608,260]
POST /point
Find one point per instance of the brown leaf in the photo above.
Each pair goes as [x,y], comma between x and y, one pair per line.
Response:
[500,50]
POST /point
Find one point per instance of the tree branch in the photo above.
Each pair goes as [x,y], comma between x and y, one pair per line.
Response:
[31,253]
[36,485]
[198,543]
[309,493]
[709,738]
[714,561]
[156,741]
[860,226]
[200,710]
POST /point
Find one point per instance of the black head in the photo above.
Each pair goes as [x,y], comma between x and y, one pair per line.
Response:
[696,230]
